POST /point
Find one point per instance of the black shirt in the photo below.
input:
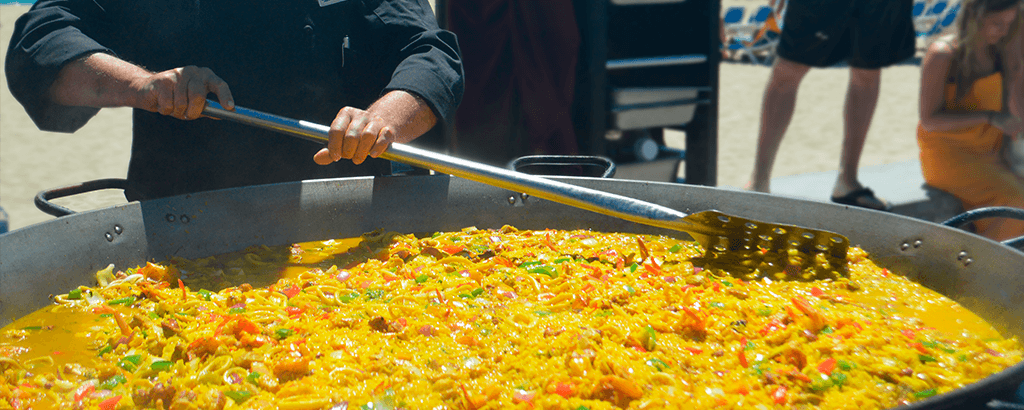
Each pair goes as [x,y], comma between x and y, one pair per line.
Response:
[304,59]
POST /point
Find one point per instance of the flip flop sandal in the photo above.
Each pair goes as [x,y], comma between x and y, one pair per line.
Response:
[864,198]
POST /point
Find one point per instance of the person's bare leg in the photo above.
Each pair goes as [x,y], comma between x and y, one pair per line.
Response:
[861,99]
[776,113]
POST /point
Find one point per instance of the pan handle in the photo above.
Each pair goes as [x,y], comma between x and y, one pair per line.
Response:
[565,161]
[990,212]
[567,194]
[43,197]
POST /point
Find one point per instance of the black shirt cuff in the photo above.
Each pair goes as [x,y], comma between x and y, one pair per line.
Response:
[33,68]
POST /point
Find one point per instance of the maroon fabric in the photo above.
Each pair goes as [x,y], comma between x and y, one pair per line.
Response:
[519,58]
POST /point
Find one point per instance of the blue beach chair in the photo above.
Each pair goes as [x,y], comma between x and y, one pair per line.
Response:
[733,15]
[929,19]
[918,9]
[760,16]
[733,29]
[753,39]
[946,21]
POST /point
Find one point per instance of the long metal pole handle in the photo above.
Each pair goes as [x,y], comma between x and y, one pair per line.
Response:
[593,200]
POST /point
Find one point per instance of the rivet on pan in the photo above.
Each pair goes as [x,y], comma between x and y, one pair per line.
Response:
[169,218]
[184,219]
[751,225]
[525,196]
[118,229]
[918,243]
[723,218]
[904,246]
[960,256]
[512,200]
[109,236]
[968,261]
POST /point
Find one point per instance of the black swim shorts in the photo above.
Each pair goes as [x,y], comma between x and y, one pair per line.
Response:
[864,33]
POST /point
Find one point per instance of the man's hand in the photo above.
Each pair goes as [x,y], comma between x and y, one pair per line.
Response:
[355,134]
[181,92]
[102,80]
[398,116]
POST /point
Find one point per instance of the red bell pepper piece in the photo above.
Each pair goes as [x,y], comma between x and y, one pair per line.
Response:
[779,395]
[453,249]
[109,404]
[291,291]
[920,347]
[564,389]
[827,366]
[247,326]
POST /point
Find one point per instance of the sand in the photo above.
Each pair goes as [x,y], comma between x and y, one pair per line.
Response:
[33,160]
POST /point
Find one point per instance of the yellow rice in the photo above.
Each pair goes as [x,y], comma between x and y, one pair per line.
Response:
[493,319]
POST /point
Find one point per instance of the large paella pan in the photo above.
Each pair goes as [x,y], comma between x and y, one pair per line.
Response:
[54,257]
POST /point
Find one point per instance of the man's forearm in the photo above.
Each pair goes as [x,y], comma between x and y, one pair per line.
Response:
[410,114]
[98,80]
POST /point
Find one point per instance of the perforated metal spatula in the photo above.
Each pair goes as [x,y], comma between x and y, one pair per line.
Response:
[744,248]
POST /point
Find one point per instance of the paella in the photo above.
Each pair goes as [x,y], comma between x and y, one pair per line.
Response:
[489,319]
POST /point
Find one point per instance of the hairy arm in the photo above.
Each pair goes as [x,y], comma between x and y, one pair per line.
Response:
[425,88]
[102,80]
[398,116]
[410,114]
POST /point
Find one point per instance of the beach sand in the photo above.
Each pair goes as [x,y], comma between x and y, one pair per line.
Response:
[33,160]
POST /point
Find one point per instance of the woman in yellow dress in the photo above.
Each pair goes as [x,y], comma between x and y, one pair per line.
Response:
[972,86]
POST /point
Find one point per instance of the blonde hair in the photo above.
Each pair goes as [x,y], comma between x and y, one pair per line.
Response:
[968,29]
